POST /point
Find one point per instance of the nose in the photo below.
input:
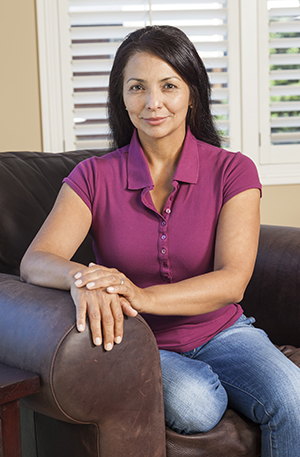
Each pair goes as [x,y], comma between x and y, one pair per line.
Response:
[154,99]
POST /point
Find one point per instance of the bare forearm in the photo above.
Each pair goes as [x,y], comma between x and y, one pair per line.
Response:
[48,270]
[198,295]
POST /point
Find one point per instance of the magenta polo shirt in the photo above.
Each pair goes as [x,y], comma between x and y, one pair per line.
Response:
[152,248]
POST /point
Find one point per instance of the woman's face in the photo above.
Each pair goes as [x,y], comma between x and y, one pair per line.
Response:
[156,98]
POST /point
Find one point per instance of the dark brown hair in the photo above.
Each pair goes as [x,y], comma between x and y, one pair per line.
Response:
[174,47]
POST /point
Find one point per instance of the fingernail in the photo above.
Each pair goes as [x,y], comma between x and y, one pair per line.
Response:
[77,276]
[78,282]
[109,347]
[91,264]
[80,328]
[118,340]
[110,289]
[98,341]
[90,284]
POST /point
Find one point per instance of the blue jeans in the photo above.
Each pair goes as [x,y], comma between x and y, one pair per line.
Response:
[239,368]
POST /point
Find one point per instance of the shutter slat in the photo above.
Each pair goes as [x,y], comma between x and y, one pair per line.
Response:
[109,17]
[90,98]
[285,138]
[285,74]
[92,65]
[220,109]
[94,49]
[120,31]
[101,33]
[90,114]
[83,143]
[116,16]
[132,3]
[285,59]
[92,129]
[285,91]
[219,94]
[283,12]
[80,82]
[285,106]
[285,43]
[285,122]
[285,27]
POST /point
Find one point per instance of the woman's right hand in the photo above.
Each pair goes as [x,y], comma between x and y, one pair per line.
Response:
[105,312]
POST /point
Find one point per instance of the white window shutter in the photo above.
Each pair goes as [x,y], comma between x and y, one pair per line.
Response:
[280,81]
[97,29]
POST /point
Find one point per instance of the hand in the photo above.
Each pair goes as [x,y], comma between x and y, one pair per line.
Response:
[105,310]
[133,298]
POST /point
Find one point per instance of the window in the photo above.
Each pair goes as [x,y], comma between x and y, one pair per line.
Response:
[250,49]
[280,82]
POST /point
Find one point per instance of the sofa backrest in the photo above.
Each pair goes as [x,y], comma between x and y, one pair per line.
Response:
[29,184]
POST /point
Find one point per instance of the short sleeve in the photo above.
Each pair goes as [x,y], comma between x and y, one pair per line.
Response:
[240,174]
[82,181]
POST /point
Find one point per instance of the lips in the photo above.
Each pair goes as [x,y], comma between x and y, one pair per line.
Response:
[155,120]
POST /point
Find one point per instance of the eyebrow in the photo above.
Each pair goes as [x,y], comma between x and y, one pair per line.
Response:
[162,80]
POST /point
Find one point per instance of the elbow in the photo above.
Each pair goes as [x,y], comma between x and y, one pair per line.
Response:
[237,289]
[23,271]
[27,267]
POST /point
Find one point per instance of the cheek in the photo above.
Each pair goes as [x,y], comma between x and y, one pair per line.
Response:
[178,103]
[134,107]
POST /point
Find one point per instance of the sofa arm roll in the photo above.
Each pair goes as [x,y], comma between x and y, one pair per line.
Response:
[80,383]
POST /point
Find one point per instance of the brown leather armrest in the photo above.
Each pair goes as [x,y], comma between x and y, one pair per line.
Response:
[120,390]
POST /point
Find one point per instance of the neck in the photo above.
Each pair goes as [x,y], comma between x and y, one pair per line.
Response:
[163,151]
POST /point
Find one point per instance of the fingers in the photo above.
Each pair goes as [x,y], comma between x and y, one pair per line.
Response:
[97,276]
[105,315]
[127,308]
[93,311]
[114,334]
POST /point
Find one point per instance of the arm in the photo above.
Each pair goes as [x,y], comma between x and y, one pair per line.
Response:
[235,254]
[47,260]
[47,263]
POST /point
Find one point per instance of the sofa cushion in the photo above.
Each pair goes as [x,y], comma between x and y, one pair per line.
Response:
[29,183]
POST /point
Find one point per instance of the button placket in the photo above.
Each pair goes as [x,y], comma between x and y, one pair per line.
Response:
[163,237]
[163,242]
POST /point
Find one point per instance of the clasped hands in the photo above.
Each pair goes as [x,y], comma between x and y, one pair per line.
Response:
[105,295]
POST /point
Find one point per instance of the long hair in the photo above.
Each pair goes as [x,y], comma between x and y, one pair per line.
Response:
[172,46]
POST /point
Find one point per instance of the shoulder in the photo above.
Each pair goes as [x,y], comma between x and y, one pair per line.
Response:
[93,166]
[230,172]
[223,159]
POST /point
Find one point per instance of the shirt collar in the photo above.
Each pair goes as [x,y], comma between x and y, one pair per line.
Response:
[139,176]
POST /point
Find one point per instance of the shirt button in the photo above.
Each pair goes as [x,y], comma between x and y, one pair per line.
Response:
[163,223]
[168,210]
[163,237]
[163,251]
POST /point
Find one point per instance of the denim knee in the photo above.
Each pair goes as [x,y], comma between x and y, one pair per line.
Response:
[194,398]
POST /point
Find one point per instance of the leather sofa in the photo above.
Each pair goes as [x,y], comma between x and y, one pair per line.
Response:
[94,403]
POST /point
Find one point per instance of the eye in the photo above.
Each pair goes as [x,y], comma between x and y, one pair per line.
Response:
[169,86]
[136,87]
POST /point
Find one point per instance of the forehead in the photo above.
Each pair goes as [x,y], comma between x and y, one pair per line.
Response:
[148,64]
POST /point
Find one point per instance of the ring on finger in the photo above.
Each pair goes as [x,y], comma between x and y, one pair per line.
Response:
[122,281]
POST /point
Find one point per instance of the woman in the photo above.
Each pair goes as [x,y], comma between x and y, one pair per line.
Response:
[175,223]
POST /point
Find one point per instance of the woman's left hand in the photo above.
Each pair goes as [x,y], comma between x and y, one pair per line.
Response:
[114,282]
